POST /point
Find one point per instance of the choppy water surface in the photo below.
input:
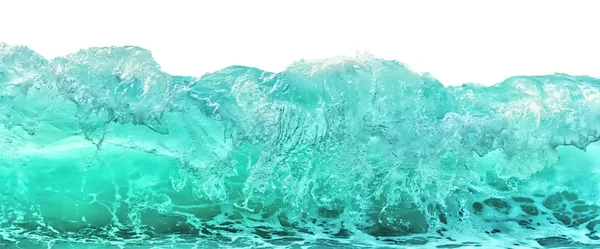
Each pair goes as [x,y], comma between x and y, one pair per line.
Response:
[101,149]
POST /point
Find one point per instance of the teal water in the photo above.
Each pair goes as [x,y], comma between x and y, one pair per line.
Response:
[102,149]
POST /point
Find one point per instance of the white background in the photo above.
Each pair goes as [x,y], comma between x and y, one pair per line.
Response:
[456,41]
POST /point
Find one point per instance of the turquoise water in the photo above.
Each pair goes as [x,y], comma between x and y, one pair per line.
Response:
[102,149]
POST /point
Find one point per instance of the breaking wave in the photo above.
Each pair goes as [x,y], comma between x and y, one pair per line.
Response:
[102,147]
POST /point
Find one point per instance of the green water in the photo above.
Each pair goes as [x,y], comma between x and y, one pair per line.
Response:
[102,149]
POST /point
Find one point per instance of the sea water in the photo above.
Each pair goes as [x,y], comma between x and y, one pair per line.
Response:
[102,149]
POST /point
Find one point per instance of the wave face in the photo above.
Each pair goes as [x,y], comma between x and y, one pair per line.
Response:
[102,147]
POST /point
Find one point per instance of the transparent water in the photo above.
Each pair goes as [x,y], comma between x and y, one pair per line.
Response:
[102,149]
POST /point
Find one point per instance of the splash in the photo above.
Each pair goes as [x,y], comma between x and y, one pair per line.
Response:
[102,147]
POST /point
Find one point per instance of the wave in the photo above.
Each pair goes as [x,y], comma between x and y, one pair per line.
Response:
[102,146]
